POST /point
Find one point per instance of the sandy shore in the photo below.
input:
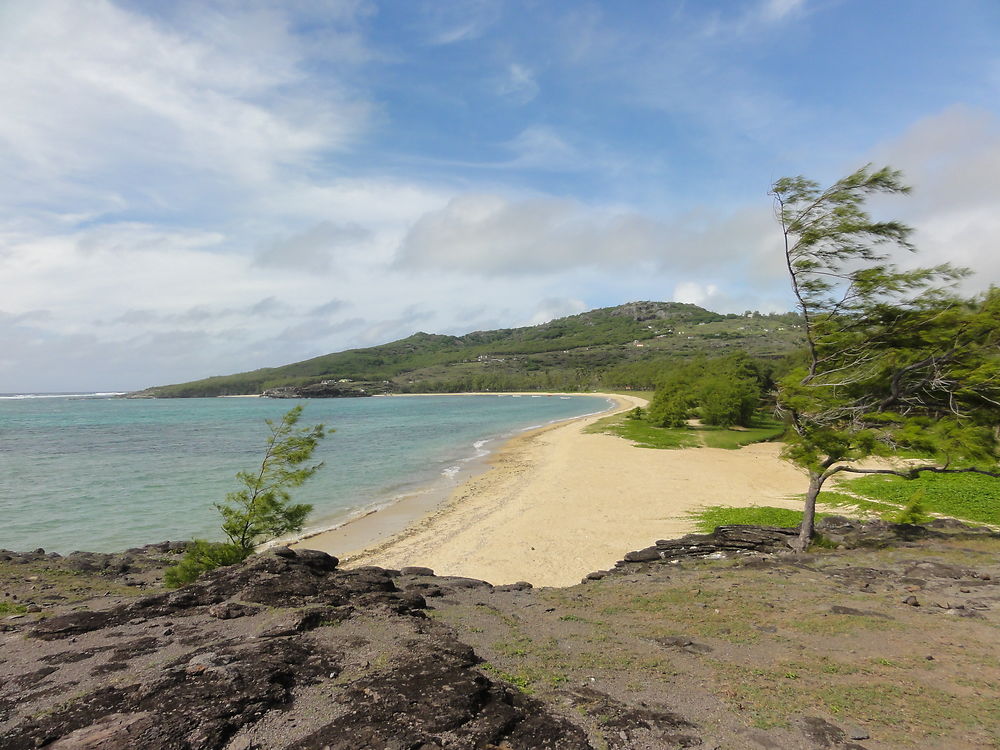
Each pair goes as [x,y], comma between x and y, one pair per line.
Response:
[559,503]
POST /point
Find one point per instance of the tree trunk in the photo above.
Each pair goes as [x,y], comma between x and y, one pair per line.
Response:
[809,512]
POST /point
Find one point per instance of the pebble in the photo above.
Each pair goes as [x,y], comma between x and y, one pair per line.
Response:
[856,733]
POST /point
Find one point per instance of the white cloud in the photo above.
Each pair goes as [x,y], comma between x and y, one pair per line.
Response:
[773,11]
[458,20]
[518,84]
[493,235]
[539,147]
[312,251]
[103,94]
[555,307]
[694,293]
[952,160]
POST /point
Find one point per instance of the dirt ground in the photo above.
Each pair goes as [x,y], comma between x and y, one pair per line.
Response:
[899,647]
[877,648]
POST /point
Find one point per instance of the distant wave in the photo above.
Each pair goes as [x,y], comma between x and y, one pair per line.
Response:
[22,396]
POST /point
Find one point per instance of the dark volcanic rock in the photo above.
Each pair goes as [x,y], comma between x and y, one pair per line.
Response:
[325,389]
[723,542]
[627,726]
[265,656]
[437,700]
[183,707]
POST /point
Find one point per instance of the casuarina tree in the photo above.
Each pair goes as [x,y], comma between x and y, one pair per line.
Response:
[262,509]
[896,362]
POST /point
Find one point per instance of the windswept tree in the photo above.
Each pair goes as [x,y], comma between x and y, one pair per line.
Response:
[262,509]
[896,362]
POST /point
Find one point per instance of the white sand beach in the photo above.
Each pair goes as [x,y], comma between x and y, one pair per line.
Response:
[558,503]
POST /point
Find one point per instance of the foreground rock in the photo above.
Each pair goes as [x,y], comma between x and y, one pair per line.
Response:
[285,651]
[891,644]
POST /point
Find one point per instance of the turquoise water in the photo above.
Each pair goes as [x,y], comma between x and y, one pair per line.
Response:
[105,474]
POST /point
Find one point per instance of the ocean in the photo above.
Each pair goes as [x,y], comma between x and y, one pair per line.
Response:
[93,472]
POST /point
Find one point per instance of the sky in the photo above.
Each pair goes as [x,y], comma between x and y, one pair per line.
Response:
[203,187]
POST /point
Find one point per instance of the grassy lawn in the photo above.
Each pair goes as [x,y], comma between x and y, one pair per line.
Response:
[645,435]
[706,519]
[722,437]
[969,497]
[852,502]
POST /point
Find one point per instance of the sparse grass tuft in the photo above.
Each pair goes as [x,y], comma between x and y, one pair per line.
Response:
[9,608]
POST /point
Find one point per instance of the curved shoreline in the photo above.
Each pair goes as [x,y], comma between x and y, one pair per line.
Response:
[377,526]
[559,503]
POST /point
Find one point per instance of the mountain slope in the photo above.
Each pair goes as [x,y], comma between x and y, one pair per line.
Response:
[565,354]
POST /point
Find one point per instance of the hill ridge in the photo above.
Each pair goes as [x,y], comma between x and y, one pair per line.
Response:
[575,352]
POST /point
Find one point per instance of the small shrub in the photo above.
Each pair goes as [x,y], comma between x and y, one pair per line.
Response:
[913,512]
[201,557]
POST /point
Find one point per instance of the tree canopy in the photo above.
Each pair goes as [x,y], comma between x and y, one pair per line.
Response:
[897,362]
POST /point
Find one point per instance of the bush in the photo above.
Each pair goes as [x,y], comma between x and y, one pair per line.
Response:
[913,512]
[201,557]
[670,408]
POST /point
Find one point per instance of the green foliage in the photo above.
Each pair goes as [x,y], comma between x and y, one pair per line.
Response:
[723,391]
[726,400]
[200,557]
[708,518]
[671,407]
[969,497]
[763,429]
[643,434]
[894,361]
[913,512]
[262,509]
[10,608]
[646,435]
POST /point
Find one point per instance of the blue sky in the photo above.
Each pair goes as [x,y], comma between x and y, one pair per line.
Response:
[198,188]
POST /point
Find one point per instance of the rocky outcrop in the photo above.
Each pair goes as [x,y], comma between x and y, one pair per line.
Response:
[731,541]
[289,650]
[326,389]
[283,651]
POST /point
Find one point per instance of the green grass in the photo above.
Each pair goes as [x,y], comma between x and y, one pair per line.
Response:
[841,500]
[729,439]
[8,608]
[709,517]
[643,434]
[969,497]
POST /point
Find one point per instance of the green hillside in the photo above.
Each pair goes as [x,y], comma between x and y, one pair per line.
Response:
[613,347]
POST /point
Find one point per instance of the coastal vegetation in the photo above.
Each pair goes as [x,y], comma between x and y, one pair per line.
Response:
[262,509]
[968,497]
[646,435]
[894,361]
[716,402]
